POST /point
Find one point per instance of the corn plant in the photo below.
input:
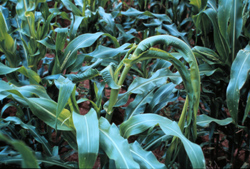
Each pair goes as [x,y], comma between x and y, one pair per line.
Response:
[136,51]
[223,59]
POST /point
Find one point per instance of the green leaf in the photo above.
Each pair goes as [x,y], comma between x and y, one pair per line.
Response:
[60,38]
[33,76]
[142,85]
[33,132]
[206,69]
[172,29]
[204,121]
[88,74]
[81,41]
[48,42]
[39,158]
[198,5]
[74,26]
[221,45]
[139,123]
[66,87]
[106,52]
[29,161]
[116,147]
[45,110]
[207,55]
[138,105]
[87,133]
[161,97]
[70,6]
[247,108]
[238,77]
[235,25]
[109,21]
[108,76]
[224,10]
[145,159]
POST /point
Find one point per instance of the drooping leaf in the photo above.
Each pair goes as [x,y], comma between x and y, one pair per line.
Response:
[204,121]
[28,159]
[33,76]
[116,147]
[88,74]
[33,131]
[139,123]
[87,133]
[81,41]
[105,52]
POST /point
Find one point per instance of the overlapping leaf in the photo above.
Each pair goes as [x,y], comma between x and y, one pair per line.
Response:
[144,158]
[116,147]
[140,123]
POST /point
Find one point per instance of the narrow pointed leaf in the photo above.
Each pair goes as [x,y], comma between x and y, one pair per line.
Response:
[236,24]
[204,121]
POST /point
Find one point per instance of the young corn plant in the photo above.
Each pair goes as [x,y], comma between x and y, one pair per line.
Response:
[223,59]
[84,132]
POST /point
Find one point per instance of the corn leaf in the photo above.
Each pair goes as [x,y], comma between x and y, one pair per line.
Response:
[66,87]
[145,159]
[108,76]
[116,147]
[33,132]
[87,133]
[139,123]
[238,76]
[204,121]
[81,41]
[28,159]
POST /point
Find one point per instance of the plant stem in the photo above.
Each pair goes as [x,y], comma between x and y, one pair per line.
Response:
[115,92]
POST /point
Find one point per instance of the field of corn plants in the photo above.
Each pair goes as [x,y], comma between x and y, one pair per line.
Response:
[124,84]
